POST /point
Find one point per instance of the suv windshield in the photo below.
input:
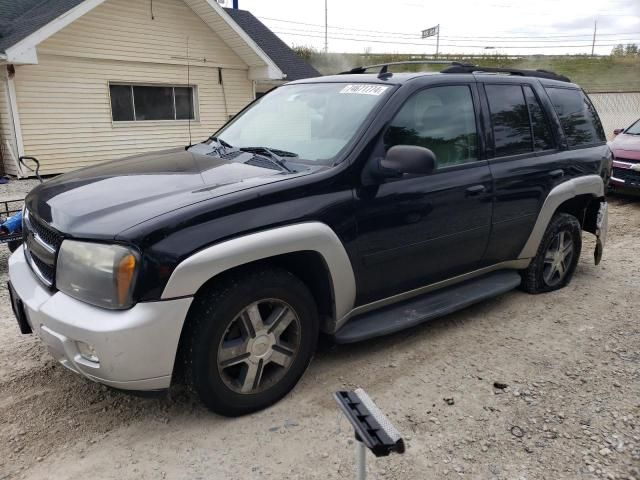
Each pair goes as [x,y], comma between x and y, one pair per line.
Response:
[313,121]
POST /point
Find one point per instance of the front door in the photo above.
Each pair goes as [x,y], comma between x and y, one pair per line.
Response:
[416,230]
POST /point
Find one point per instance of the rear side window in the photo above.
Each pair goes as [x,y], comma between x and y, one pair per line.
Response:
[510,119]
[577,115]
[542,137]
[441,119]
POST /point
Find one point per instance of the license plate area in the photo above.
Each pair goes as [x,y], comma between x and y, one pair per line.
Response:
[18,310]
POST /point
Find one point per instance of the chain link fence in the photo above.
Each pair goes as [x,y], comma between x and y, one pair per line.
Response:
[616,109]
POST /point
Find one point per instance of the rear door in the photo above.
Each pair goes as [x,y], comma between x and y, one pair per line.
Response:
[524,147]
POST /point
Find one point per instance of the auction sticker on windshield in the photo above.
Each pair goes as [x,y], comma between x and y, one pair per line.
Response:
[365,89]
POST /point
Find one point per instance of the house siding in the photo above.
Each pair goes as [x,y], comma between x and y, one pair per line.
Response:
[64,103]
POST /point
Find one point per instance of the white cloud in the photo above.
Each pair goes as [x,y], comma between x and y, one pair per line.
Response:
[466,25]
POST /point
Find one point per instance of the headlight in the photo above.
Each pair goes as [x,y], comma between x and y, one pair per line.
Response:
[97,273]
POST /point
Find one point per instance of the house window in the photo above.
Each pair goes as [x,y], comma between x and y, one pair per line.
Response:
[131,103]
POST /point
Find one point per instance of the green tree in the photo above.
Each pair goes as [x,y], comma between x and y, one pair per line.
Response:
[305,52]
[631,49]
[618,50]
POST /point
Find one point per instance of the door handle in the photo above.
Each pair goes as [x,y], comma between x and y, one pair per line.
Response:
[475,190]
[557,173]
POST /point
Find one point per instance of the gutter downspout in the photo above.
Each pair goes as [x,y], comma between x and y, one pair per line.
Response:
[15,116]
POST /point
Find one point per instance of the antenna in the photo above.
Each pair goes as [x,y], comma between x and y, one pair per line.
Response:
[190,91]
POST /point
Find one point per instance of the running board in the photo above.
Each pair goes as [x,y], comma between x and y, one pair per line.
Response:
[426,307]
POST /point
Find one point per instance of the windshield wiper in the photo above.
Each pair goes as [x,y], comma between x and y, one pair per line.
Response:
[275,155]
[219,141]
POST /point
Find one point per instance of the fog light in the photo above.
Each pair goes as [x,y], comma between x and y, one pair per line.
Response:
[87,352]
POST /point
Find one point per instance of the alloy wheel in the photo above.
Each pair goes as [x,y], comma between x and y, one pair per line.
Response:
[259,346]
[558,258]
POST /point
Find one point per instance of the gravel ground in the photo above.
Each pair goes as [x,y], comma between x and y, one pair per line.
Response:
[16,190]
[517,387]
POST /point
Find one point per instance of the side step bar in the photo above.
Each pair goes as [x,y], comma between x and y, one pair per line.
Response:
[426,307]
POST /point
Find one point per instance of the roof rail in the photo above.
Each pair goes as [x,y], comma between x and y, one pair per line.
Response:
[384,67]
[467,68]
[460,67]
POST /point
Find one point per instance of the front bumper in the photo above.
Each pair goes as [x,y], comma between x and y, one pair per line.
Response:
[625,177]
[136,348]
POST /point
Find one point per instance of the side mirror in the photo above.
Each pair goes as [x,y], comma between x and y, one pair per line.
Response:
[409,159]
[618,130]
[399,160]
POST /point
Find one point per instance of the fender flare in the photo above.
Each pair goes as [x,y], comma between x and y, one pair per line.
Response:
[202,266]
[588,184]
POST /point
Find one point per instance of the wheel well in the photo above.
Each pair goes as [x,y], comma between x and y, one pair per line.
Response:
[580,206]
[309,266]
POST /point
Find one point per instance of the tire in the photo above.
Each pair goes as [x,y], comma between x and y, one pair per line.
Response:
[236,333]
[539,276]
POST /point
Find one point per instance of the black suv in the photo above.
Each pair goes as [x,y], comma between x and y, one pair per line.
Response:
[356,205]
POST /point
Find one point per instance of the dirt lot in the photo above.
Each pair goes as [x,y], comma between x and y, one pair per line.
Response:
[571,409]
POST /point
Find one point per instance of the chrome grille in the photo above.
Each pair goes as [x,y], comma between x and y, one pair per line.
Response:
[629,176]
[48,235]
[41,245]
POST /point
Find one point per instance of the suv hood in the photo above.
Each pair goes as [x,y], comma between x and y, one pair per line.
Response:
[626,146]
[102,201]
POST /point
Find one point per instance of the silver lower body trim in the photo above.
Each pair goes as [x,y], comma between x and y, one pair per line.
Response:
[589,184]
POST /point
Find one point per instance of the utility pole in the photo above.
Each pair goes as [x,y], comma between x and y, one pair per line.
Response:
[593,44]
[326,27]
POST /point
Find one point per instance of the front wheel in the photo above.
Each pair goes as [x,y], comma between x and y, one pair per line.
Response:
[555,262]
[250,340]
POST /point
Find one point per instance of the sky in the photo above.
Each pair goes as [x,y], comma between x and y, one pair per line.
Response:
[515,27]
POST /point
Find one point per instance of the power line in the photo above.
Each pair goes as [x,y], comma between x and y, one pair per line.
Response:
[410,35]
[444,45]
[465,39]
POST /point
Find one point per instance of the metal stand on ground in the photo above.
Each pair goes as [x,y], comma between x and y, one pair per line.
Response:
[372,428]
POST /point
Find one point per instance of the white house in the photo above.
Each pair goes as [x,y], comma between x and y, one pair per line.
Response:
[84,81]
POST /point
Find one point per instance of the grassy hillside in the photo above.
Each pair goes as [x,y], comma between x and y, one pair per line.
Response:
[595,74]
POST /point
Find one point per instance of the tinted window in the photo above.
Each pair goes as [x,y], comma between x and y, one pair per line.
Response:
[579,120]
[153,103]
[542,137]
[184,103]
[441,119]
[121,103]
[139,103]
[510,119]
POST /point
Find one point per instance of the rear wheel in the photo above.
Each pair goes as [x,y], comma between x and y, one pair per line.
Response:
[250,341]
[555,262]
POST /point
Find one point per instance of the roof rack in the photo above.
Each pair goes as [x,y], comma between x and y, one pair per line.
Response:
[384,67]
[467,68]
[460,67]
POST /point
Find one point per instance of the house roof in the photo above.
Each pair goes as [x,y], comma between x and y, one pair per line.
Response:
[26,23]
[286,59]
[20,18]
